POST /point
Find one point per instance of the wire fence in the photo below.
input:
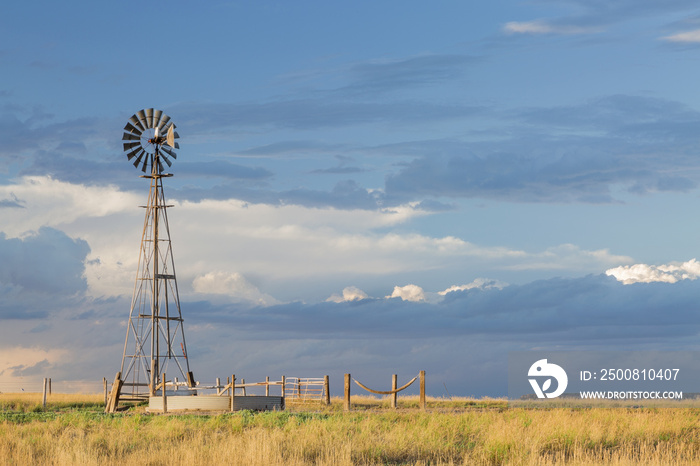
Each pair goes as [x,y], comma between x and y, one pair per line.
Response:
[56,386]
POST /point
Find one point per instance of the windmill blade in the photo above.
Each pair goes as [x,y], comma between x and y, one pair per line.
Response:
[159,129]
[145,164]
[162,156]
[129,128]
[135,120]
[149,117]
[170,152]
[163,122]
[165,128]
[138,159]
[142,118]
[130,145]
[130,155]
[156,117]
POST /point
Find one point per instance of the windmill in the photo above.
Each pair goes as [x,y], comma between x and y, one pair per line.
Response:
[155,336]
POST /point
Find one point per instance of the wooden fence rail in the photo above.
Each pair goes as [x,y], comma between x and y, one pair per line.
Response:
[393,392]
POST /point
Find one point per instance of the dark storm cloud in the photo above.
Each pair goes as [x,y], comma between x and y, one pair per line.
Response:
[224,169]
[338,171]
[65,166]
[624,116]
[25,130]
[345,194]
[563,154]
[462,342]
[40,272]
[589,309]
[287,148]
[575,153]
[21,370]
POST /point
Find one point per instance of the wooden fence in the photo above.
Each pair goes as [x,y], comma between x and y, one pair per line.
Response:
[292,389]
[393,392]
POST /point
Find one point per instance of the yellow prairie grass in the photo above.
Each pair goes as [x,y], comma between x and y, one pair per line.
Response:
[464,432]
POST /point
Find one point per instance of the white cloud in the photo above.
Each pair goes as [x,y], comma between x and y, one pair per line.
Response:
[686,37]
[643,273]
[542,27]
[567,256]
[56,203]
[350,293]
[233,285]
[480,283]
[297,250]
[411,293]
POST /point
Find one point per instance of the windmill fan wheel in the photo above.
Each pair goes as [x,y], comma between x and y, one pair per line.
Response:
[149,140]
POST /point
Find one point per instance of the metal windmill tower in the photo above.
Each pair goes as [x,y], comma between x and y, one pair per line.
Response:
[155,336]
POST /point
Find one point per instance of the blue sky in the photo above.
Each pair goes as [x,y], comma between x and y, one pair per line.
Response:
[372,187]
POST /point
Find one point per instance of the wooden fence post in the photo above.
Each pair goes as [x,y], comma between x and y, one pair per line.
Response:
[104,386]
[346,404]
[49,385]
[113,401]
[243,383]
[152,382]
[284,382]
[233,390]
[165,397]
[46,383]
[422,390]
[267,386]
[395,395]
[218,386]
[327,388]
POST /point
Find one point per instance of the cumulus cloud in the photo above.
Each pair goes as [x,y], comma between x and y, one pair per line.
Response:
[326,247]
[412,293]
[543,27]
[55,203]
[350,293]
[479,283]
[415,293]
[644,273]
[684,37]
[234,285]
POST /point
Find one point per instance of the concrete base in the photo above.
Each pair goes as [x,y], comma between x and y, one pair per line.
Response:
[216,403]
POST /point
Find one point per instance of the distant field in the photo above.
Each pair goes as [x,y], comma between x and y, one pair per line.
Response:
[73,430]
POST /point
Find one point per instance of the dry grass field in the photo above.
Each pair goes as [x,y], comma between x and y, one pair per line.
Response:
[73,430]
